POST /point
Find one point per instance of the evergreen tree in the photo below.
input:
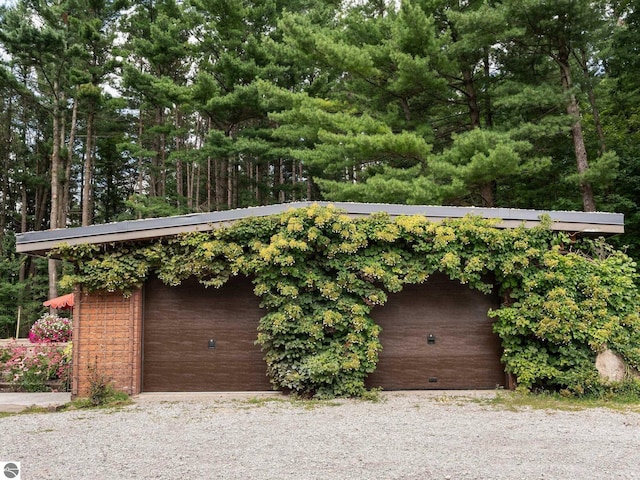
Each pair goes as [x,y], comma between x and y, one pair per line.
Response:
[620,93]
[37,35]
[551,37]
[154,74]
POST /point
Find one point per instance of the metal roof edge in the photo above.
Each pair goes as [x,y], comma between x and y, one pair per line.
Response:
[605,218]
[38,241]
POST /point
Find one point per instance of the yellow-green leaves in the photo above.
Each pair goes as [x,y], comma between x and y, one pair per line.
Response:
[572,306]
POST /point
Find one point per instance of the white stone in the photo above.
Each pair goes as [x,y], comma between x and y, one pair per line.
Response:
[610,366]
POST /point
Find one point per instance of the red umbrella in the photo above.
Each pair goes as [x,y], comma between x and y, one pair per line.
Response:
[61,303]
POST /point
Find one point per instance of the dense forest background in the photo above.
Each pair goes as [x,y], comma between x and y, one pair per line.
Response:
[114,110]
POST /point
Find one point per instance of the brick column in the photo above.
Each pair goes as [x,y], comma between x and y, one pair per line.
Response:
[107,340]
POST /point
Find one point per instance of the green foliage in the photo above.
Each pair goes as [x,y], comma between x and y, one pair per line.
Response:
[142,206]
[19,298]
[319,273]
[566,310]
[11,289]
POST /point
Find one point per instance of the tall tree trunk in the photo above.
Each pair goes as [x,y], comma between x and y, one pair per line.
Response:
[486,192]
[293,180]
[54,217]
[220,173]
[5,154]
[197,192]
[163,165]
[23,227]
[281,197]
[257,185]
[230,183]
[592,101]
[573,110]
[209,203]
[210,168]
[488,114]
[140,181]
[64,169]
[154,174]
[179,149]
[179,178]
[39,217]
[472,98]
[87,196]
[23,208]
[190,180]
[66,197]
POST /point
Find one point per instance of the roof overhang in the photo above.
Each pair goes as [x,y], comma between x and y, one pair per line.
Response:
[38,243]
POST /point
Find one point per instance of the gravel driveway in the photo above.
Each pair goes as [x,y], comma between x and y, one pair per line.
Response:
[404,436]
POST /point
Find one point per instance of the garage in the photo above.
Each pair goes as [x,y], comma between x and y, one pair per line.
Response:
[202,339]
[190,338]
[438,336]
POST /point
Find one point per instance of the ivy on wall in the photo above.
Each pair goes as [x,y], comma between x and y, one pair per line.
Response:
[319,273]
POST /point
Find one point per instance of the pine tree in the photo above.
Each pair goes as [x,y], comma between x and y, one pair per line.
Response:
[37,35]
[550,36]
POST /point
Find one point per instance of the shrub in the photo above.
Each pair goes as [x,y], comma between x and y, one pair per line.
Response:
[101,390]
[51,328]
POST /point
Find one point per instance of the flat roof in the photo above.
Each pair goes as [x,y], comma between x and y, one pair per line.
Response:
[40,242]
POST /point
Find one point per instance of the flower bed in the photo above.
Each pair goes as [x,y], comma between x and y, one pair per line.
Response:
[38,367]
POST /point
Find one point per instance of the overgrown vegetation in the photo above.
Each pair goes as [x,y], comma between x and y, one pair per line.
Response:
[319,273]
[624,396]
[101,390]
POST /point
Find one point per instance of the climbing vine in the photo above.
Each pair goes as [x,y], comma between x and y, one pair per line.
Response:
[319,273]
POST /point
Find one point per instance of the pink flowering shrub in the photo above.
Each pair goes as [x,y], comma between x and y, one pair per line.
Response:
[30,369]
[51,328]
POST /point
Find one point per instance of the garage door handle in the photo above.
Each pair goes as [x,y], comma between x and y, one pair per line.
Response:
[431,339]
[211,344]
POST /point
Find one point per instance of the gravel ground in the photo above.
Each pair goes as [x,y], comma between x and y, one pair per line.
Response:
[404,436]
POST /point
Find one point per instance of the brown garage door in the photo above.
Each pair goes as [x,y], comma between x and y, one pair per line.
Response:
[202,339]
[437,336]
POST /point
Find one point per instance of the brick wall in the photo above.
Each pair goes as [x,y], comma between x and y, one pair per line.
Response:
[107,335]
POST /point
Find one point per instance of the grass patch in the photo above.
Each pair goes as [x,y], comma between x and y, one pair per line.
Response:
[372,395]
[262,401]
[312,404]
[115,400]
[111,399]
[515,401]
[293,400]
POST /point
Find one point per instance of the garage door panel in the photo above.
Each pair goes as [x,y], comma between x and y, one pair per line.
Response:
[463,352]
[180,321]
[193,378]
[453,372]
